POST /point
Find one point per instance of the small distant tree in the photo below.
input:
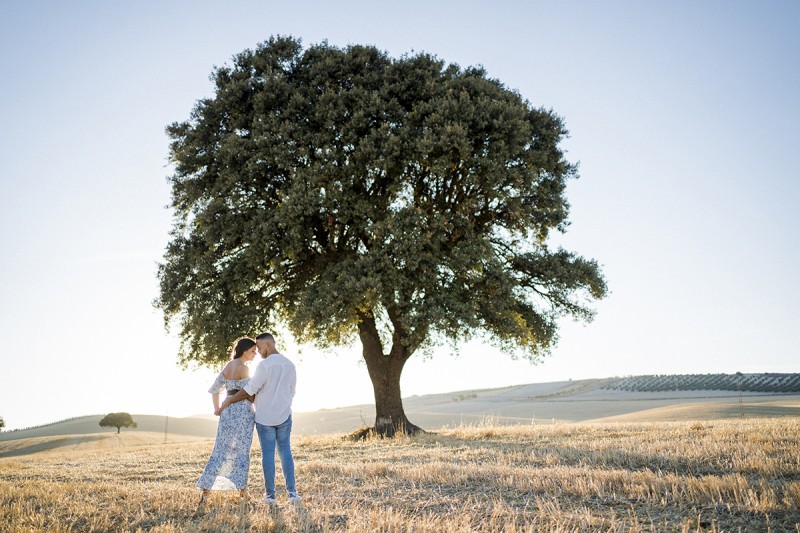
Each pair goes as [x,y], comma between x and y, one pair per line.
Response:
[118,420]
[2,423]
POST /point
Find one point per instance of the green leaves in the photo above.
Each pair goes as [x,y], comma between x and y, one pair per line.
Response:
[322,186]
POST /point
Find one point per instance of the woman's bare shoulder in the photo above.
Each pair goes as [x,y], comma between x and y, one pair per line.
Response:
[236,370]
[229,370]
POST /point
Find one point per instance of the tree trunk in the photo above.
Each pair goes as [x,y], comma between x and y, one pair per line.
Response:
[384,371]
[118,428]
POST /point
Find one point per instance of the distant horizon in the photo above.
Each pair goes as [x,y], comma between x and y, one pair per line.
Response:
[207,416]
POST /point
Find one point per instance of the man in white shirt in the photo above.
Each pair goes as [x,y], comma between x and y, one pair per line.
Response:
[273,384]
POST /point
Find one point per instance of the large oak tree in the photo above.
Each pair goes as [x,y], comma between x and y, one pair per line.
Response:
[345,194]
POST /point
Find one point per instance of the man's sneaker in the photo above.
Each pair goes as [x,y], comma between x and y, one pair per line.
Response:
[269,500]
[294,498]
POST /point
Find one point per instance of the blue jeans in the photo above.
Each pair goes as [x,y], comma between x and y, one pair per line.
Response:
[280,435]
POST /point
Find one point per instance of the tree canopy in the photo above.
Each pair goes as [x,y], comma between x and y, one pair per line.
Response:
[118,420]
[344,194]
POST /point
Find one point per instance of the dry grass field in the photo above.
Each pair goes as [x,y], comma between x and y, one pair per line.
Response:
[731,475]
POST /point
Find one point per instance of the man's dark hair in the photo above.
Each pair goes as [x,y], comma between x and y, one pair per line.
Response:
[267,336]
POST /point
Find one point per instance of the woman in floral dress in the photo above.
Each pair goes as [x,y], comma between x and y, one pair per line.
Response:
[228,467]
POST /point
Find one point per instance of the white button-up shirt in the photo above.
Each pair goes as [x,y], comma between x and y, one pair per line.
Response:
[273,383]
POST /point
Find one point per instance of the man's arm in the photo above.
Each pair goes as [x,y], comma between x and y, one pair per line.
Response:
[255,384]
[238,397]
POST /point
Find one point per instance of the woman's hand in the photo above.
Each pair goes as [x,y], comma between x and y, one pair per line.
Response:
[217,412]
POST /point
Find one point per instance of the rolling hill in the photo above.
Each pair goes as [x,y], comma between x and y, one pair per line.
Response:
[586,401]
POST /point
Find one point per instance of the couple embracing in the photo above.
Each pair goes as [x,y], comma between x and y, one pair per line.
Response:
[265,400]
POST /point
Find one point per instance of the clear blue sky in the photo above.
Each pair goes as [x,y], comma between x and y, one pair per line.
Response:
[684,116]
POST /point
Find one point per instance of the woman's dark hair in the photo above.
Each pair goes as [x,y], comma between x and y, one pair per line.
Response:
[241,346]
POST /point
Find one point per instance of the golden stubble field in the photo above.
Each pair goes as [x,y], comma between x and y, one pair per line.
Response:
[734,475]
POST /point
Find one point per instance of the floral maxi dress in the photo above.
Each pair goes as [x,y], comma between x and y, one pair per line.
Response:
[229,464]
